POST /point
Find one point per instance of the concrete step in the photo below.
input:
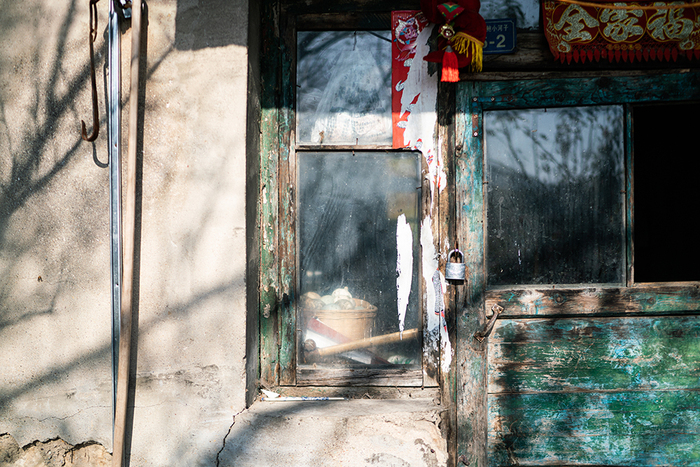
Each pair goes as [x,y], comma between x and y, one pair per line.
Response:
[397,433]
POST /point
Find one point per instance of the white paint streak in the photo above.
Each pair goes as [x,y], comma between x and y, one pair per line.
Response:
[404,266]
[430,265]
[445,346]
[446,351]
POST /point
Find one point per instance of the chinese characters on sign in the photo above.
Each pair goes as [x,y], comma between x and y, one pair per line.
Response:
[583,33]
[500,36]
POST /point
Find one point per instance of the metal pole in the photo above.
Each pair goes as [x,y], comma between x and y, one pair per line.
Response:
[115,192]
[129,229]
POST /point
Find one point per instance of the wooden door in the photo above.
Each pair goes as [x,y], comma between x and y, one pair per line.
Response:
[586,365]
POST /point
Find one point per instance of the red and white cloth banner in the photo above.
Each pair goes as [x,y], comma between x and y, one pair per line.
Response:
[406,26]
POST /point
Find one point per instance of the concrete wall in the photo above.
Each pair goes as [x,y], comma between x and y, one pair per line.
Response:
[55,357]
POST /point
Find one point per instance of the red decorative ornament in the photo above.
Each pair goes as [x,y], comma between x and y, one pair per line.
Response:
[461,35]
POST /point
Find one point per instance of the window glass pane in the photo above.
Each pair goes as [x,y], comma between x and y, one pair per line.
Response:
[344,87]
[666,194]
[555,195]
[357,213]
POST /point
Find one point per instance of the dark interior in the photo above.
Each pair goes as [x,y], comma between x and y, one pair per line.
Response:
[666,193]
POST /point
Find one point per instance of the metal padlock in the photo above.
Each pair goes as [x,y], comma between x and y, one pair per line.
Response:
[455,271]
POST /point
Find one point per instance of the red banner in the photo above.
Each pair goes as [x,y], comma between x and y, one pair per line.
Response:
[406,25]
[586,33]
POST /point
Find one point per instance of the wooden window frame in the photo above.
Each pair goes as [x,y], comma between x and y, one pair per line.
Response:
[546,301]
[280,341]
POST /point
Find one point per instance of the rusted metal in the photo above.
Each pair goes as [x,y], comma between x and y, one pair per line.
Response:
[93,80]
[481,335]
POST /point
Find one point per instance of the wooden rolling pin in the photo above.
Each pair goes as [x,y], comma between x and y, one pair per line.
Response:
[363,343]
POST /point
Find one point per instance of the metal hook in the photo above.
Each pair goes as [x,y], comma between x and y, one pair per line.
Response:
[93,79]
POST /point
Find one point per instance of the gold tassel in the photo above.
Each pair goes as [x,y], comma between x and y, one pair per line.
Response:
[465,44]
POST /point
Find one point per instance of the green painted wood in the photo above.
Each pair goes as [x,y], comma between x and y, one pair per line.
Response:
[603,391]
[470,353]
[588,91]
[269,202]
[253,206]
[609,354]
[287,183]
[620,387]
[656,428]
[599,301]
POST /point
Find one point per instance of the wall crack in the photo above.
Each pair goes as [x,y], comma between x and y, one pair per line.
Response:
[52,417]
[223,442]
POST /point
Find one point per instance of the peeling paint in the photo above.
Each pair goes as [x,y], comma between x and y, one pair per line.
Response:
[439,294]
[532,299]
[445,351]
[435,288]
[404,266]
[445,345]
[418,122]
[419,100]
[430,266]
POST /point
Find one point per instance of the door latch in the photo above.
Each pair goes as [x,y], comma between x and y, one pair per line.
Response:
[483,334]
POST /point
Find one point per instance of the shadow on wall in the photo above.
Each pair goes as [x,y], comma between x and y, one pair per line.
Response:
[209,23]
[35,155]
[54,221]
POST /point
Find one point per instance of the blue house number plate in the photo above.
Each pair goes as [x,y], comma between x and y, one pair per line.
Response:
[500,36]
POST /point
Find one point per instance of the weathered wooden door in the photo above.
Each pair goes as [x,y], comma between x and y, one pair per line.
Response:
[571,228]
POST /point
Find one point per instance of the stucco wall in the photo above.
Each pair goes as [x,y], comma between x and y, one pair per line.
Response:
[55,357]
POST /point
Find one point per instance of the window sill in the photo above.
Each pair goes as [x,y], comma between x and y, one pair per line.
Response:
[398,375]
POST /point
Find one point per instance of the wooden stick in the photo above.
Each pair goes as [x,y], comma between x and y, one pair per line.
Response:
[129,233]
[368,342]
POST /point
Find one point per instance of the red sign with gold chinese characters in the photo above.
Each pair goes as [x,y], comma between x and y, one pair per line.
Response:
[623,31]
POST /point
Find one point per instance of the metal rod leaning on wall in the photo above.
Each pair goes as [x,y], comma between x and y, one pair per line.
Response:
[115,192]
[129,235]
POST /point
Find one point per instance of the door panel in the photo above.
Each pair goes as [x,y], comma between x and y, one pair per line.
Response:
[607,391]
[645,428]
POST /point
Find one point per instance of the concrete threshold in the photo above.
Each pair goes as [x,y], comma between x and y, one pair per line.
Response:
[358,432]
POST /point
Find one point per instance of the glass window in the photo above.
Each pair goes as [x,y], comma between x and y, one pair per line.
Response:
[555,195]
[358,231]
[344,87]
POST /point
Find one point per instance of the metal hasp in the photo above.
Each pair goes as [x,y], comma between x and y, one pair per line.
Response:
[455,271]
[481,335]
[115,192]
